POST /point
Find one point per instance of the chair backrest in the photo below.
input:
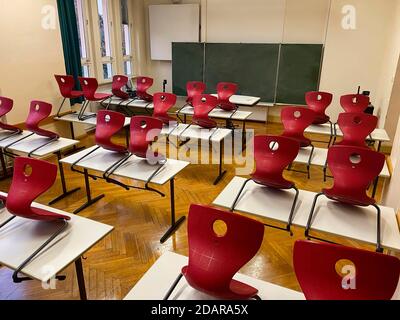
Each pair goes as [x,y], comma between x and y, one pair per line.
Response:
[353,169]
[335,272]
[144,130]
[272,155]
[89,87]
[194,88]
[31,178]
[356,127]
[118,83]
[163,102]
[66,83]
[142,85]
[108,124]
[215,259]
[318,101]
[203,104]
[225,90]
[38,112]
[354,102]
[295,120]
[6,105]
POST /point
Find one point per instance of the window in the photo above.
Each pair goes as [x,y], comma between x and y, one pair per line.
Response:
[83,39]
[106,47]
[126,38]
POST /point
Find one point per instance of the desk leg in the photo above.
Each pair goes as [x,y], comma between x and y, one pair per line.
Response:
[127,133]
[65,192]
[5,174]
[375,187]
[74,148]
[244,142]
[184,118]
[174,224]
[81,278]
[89,201]
[379,145]
[221,173]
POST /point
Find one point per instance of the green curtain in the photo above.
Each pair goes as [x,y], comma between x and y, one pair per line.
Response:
[70,40]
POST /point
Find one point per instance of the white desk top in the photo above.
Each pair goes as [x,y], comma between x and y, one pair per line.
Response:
[325,129]
[220,114]
[196,132]
[27,145]
[135,168]
[358,223]
[159,278]
[319,159]
[136,103]
[242,100]
[73,117]
[21,237]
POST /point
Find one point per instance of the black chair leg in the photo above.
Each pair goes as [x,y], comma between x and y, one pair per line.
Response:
[238,195]
[378,229]
[309,161]
[292,210]
[172,288]
[15,276]
[309,222]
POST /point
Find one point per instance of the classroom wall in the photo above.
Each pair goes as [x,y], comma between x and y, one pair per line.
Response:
[366,56]
[30,55]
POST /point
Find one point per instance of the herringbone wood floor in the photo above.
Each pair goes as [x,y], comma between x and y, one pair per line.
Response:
[140,218]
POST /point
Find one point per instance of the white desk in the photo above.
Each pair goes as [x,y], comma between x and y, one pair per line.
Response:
[27,146]
[357,223]
[73,117]
[160,277]
[187,132]
[21,237]
[219,113]
[241,100]
[134,169]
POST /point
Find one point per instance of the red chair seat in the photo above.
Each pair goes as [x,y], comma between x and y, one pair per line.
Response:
[166,119]
[303,141]
[238,290]
[205,123]
[38,112]
[321,119]
[119,82]
[359,200]
[109,123]
[101,96]
[76,94]
[277,182]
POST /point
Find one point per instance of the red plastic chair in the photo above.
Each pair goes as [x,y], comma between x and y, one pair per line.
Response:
[109,123]
[38,112]
[66,83]
[203,104]
[89,87]
[356,103]
[225,90]
[25,188]
[142,85]
[272,154]
[295,120]
[143,132]
[194,88]
[356,127]
[318,102]
[214,259]
[371,276]
[6,106]
[353,170]
[119,82]
[163,102]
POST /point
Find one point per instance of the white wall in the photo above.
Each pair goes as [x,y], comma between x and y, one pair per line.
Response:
[29,57]
[366,56]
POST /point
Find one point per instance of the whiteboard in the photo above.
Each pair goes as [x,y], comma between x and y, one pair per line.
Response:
[172,23]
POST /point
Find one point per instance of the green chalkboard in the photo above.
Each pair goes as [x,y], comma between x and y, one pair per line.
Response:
[187,65]
[299,70]
[252,66]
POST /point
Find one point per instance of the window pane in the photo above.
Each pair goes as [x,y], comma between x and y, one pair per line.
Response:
[104,28]
[107,71]
[80,20]
[85,71]
[126,36]
[128,68]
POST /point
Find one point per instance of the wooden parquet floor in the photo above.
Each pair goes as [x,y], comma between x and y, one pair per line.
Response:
[140,218]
